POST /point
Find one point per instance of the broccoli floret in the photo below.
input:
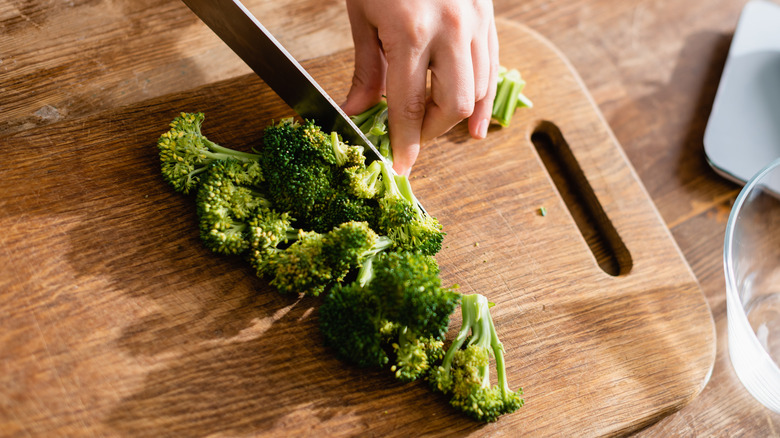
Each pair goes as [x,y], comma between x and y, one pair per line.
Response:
[401,218]
[300,166]
[268,232]
[399,306]
[409,286]
[226,200]
[315,261]
[464,374]
[185,153]
[415,356]
[509,95]
[364,181]
[352,325]
[346,155]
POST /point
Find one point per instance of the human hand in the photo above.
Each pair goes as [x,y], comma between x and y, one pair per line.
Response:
[398,41]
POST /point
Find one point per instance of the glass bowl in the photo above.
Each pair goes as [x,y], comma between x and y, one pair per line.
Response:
[751,257]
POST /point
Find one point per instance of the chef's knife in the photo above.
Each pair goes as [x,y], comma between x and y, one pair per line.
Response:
[252,42]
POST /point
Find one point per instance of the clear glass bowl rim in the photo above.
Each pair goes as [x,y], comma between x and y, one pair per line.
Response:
[728,247]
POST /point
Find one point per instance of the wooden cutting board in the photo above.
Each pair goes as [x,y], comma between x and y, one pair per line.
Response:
[115,320]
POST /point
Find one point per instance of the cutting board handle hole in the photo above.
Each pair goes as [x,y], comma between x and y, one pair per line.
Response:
[600,234]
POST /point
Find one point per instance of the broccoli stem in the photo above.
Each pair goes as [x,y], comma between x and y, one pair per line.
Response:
[366,271]
[379,126]
[373,123]
[468,310]
[221,153]
[509,95]
[338,149]
[360,119]
[384,148]
[498,353]
[372,173]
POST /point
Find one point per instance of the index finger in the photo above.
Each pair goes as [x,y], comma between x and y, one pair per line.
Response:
[406,87]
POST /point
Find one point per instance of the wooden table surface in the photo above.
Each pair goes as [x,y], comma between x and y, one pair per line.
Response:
[651,66]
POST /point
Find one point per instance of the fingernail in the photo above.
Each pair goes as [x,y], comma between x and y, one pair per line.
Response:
[482,128]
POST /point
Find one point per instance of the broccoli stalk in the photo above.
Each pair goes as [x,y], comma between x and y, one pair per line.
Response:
[509,95]
[465,372]
[373,123]
[185,153]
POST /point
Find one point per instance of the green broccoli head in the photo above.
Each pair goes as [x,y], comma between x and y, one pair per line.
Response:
[224,205]
[350,244]
[316,261]
[409,286]
[403,314]
[364,181]
[414,356]
[300,268]
[471,390]
[267,231]
[352,325]
[185,153]
[303,176]
[401,218]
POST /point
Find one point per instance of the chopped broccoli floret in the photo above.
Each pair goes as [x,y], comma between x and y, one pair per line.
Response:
[415,356]
[226,200]
[268,231]
[401,218]
[399,306]
[352,325]
[300,166]
[315,261]
[185,153]
[364,181]
[465,371]
[509,95]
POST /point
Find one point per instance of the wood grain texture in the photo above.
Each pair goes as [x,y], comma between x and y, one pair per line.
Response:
[651,67]
[118,322]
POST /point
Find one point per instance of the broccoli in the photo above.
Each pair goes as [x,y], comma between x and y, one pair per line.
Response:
[301,166]
[364,181]
[402,219]
[227,198]
[465,371]
[315,261]
[312,215]
[185,153]
[373,123]
[509,95]
[398,307]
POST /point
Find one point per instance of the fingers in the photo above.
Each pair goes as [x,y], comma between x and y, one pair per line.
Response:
[483,109]
[452,89]
[406,84]
[398,43]
[368,79]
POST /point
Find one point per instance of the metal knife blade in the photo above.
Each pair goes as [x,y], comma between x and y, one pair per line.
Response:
[255,45]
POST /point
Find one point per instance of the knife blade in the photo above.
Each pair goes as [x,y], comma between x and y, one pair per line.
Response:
[257,47]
